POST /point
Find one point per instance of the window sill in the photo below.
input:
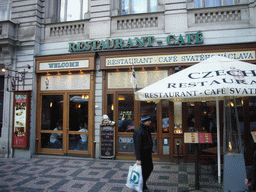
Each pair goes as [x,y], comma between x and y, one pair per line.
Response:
[137,14]
[217,7]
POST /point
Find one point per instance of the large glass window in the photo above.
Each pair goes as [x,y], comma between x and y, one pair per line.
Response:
[165,116]
[150,108]
[52,111]
[252,105]
[205,119]
[125,113]
[110,107]
[78,121]
[125,144]
[138,6]
[78,112]
[4,10]
[71,10]
[52,119]
[212,3]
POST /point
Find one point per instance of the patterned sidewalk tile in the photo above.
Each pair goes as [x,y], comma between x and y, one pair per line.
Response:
[59,174]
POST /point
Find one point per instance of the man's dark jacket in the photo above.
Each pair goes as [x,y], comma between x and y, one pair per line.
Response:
[252,174]
[142,141]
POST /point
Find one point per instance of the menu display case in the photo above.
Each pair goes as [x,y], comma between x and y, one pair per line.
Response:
[21,120]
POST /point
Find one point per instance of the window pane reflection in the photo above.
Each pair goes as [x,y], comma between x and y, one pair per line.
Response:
[125,113]
[212,3]
[52,111]
[125,144]
[207,123]
[197,3]
[139,6]
[154,144]
[110,107]
[165,115]
[229,2]
[78,112]
[208,117]
[62,11]
[125,6]
[252,105]
[73,10]
[153,5]
[51,140]
[3,13]
[150,109]
[79,142]
[166,146]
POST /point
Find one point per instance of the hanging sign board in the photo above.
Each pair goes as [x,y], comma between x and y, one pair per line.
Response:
[204,137]
[21,120]
[107,142]
[195,137]
[254,136]
[191,137]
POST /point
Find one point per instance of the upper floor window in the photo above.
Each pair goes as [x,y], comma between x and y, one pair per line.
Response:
[138,6]
[71,10]
[4,10]
[212,3]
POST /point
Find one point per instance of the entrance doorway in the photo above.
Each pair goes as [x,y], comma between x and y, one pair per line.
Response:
[63,123]
[126,112]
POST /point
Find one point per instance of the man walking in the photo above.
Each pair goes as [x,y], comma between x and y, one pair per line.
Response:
[143,148]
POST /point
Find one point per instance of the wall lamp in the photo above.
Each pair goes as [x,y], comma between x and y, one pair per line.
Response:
[177,69]
[17,79]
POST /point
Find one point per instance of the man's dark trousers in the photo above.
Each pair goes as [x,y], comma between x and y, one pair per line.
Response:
[147,166]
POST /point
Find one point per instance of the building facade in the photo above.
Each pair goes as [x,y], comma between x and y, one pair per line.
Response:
[67,63]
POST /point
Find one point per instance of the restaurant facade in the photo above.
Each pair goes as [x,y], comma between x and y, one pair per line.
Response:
[72,69]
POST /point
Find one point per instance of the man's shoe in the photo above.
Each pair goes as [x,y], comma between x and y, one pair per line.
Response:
[145,189]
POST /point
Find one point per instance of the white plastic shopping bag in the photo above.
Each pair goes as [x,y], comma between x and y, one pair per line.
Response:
[134,178]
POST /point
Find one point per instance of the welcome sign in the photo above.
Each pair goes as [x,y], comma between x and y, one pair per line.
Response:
[215,77]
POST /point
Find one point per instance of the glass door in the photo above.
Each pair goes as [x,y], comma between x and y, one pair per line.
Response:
[64,124]
[51,133]
[78,123]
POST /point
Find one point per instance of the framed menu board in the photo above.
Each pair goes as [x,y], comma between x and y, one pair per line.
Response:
[107,142]
[195,137]
[21,119]
[204,137]
[191,137]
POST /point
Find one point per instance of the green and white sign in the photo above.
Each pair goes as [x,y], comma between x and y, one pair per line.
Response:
[177,58]
[148,41]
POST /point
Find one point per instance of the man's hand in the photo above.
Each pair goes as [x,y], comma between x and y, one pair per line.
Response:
[247,182]
[138,162]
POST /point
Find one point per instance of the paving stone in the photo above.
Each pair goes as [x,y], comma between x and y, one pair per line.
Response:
[69,174]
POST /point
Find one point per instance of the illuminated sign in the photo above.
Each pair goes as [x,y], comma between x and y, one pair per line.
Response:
[148,41]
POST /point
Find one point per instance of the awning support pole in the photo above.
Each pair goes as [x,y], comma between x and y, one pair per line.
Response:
[218,139]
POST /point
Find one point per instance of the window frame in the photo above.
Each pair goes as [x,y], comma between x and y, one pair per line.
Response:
[82,13]
[8,12]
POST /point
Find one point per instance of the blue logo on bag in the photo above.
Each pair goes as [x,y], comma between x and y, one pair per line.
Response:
[135,177]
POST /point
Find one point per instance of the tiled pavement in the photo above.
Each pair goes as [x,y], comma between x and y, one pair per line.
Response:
[51,173]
